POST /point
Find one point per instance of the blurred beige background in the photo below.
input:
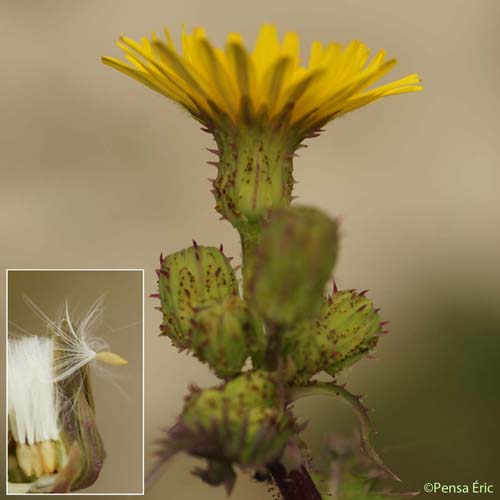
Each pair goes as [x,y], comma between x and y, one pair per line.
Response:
[117,390]
[98,171]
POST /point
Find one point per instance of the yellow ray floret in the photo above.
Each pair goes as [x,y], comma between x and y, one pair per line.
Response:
[269,84]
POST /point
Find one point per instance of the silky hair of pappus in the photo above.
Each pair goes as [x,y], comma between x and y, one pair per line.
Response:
[76,347]
[32,402]
[75,343]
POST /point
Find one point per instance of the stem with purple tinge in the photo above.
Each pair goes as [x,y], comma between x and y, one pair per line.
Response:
[294,485]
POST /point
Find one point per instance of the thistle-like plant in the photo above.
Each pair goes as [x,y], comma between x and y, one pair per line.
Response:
[260,106]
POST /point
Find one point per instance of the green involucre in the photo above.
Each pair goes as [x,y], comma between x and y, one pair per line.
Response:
[242,422]
[254,174]
[345,330]
[187,279]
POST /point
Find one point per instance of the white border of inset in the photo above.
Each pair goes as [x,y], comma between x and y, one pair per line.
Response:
[7,389]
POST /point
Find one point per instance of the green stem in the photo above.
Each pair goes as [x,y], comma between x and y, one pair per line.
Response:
[296,485]
[273,347]
[250,238]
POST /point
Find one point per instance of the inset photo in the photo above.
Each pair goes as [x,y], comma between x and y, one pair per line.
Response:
[75,420]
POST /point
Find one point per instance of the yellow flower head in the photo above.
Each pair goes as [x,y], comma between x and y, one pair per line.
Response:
[259,105]
[269,86]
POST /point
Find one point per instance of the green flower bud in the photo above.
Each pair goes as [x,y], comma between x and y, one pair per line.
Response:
[225,333]
[254,174]
[254,389]
[187,279]
[346,329]
[242,422]
[294,260]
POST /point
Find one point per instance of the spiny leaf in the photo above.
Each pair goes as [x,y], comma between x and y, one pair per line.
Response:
[366,428]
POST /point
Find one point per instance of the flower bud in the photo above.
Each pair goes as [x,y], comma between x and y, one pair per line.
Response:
[293,262]
[225,333]
[188,278]
[242,422]
[345,330]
